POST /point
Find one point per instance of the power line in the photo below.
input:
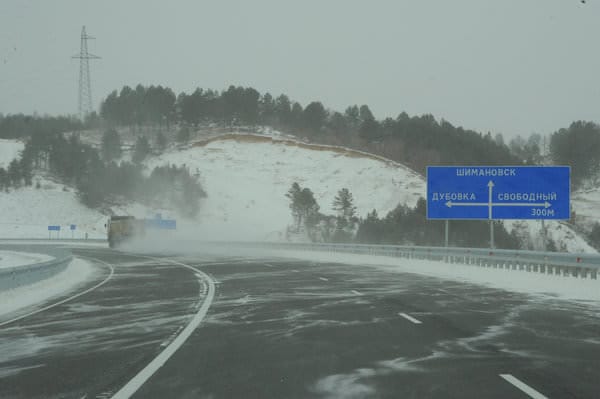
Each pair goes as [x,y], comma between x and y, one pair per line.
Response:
[85,84]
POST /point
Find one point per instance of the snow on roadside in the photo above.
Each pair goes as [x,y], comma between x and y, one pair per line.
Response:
[36,294]
[569,288]
[13,258]
[28,211]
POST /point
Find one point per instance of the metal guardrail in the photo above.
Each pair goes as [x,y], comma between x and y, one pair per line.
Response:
[18,276]
[564,264]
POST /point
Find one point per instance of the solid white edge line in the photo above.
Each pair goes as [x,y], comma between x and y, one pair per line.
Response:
[140,378]
[523,387]
[112,271]
[323,279]
[410,318]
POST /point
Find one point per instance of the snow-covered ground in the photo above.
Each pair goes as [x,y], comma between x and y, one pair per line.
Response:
[13,259]
[246,178]
[9,150]
[28,211]
[77,273]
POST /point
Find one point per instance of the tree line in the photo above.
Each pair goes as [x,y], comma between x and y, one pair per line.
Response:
[101,181]
[401,226]
[20,126]
[417,141]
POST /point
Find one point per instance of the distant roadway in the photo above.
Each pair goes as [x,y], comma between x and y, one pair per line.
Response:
[236,327]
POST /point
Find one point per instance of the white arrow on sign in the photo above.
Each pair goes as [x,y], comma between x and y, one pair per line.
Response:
[491,204]
[450,204]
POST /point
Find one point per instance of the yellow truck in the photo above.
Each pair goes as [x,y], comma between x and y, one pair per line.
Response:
[123,228]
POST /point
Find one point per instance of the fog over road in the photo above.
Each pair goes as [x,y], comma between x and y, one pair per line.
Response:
[280,328]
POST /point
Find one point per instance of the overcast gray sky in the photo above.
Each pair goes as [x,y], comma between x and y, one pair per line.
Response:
[510,66]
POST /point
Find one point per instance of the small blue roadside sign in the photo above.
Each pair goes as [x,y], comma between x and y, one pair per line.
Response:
[73,227]
[53,228]
[161,224]
[498,192]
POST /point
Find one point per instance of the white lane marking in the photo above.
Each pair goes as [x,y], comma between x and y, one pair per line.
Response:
[410,318]
[523,387]
[53,305]
[357,293]
[136,382]
[323,278]
[296,271]
[268,265]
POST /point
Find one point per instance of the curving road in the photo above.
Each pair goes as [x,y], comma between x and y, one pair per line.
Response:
[279,328]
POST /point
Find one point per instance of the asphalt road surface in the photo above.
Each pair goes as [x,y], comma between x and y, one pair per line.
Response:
[280,328]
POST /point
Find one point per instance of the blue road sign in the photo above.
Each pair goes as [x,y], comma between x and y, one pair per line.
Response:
[53,228]
[498,192]
[73,227]
[163,224]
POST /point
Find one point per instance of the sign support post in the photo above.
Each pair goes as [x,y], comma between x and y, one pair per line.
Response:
[491,234]
[446,235]
[544,236]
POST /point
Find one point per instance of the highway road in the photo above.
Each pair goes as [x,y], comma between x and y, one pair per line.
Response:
[206,326]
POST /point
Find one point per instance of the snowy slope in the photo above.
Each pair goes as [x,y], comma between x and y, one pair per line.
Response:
[247,176]
[530,232]
[9,150]
[27,212]
[586,204]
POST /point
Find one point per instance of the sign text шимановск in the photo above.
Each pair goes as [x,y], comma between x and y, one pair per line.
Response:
[498,192]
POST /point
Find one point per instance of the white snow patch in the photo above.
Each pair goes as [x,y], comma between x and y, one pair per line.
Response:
[13,259]
[9,150]
[76,273]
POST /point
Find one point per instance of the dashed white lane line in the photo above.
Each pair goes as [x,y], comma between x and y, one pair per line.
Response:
[357,293]
[523,387]
[268,265]
[323,279]
[296,271]
[410,318]
[144,375]
[112,271]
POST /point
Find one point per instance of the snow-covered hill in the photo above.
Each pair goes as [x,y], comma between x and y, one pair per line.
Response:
[247,177]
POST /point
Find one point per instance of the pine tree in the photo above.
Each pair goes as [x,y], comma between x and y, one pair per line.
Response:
[183,136]
[14,173]
[161,142]
[293,195]
[343,203]
[4,183]
[111,145]
[141,150]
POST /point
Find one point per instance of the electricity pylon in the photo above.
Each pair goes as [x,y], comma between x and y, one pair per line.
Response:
[85,85]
